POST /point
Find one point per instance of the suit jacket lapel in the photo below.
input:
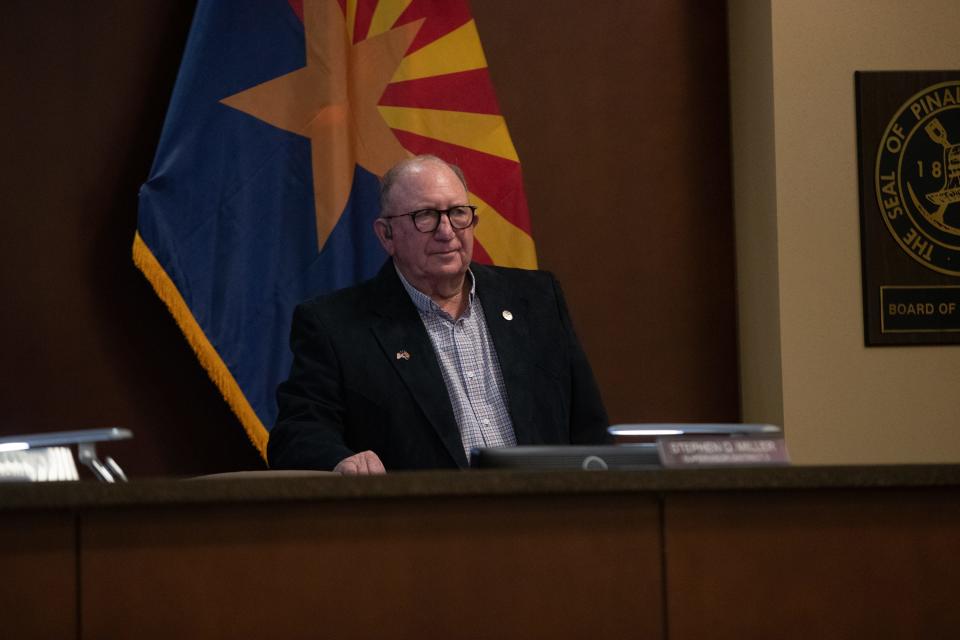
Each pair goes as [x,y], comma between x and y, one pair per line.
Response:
[407,346]
[508,320]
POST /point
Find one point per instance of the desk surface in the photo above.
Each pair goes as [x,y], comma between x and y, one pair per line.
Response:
[284,487]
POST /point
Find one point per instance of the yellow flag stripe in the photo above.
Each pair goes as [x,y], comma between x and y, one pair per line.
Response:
[351,11]
[459,50]
[478,131]
[507,245]
[385,15]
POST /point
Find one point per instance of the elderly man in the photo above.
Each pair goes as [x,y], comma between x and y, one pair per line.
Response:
[435,355]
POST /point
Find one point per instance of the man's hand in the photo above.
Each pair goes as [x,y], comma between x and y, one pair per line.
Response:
[365,463]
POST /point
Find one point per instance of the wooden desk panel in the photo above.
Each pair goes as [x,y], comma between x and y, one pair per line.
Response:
[865,564]
[793,552]
[38,592]
[492,567]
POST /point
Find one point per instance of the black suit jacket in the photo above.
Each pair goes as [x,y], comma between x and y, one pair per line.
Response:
[349,391]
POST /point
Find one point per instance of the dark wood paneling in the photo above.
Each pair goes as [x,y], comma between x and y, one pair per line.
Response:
[532,567]
[619,112]
[833,565]
[491,554]
[85,341]
[38,592]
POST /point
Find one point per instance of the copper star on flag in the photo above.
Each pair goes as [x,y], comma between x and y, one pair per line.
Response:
[333,101]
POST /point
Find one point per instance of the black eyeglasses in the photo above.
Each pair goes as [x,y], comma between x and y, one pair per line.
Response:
[427,220]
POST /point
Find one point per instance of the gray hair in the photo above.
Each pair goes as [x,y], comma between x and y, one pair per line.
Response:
[391,177]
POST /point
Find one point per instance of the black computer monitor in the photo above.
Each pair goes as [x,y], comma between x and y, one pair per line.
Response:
[558,457]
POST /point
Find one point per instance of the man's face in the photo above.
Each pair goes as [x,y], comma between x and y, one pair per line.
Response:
[440,255]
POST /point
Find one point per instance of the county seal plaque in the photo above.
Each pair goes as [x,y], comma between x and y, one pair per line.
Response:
[909,143]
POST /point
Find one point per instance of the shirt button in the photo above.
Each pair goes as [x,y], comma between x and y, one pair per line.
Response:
[470,374]
[486,422]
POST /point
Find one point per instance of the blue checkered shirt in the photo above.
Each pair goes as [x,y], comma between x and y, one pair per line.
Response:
[470,367]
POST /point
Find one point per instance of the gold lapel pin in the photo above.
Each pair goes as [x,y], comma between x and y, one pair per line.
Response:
[507,315]
[403,355]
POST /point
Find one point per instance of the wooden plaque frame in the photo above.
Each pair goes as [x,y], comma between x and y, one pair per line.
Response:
[908,140]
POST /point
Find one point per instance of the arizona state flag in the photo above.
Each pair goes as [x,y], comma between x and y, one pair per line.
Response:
[265,183]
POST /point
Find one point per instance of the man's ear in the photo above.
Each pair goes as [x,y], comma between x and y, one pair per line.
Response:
[384,234]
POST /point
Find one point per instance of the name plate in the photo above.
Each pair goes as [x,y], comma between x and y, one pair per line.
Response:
[719,451]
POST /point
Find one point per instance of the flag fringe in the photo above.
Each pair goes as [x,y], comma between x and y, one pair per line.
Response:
[144,259]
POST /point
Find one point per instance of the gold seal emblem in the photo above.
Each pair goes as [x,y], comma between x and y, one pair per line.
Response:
[918,177]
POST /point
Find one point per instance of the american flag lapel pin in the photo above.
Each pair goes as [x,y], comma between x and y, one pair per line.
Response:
[403,355]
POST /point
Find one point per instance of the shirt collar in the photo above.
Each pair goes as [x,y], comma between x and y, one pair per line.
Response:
[426,305]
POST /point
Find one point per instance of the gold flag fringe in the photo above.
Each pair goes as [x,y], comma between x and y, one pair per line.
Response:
[206,354]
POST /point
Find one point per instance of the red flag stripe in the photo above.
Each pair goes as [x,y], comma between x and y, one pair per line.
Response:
[497,180]
[361,24]
[480,254]
[469,91]
[297,6]
[442,17]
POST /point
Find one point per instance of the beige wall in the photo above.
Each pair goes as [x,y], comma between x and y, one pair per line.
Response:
[803,357]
